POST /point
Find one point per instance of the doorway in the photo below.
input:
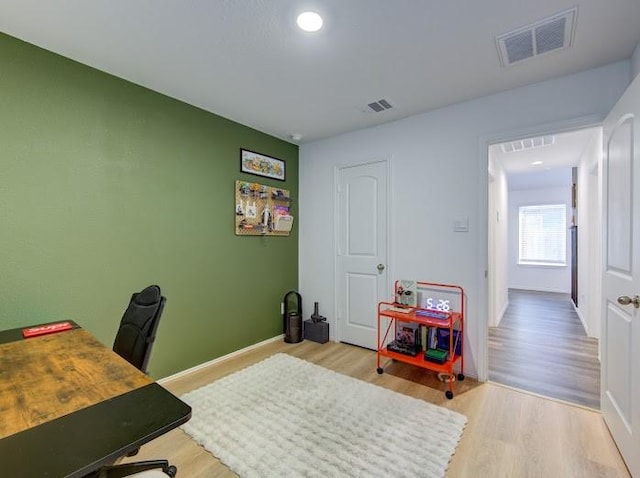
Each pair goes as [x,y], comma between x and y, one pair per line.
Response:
[541,191]
[541,346]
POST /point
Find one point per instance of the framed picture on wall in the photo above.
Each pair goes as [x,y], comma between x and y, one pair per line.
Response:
[261,165]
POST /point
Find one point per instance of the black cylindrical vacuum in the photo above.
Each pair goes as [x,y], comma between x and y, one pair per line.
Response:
[292,317]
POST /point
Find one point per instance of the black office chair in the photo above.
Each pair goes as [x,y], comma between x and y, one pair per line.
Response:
[133,342]
[138,327]
[141,469]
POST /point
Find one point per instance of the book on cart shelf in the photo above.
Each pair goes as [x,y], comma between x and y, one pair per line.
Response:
[408,340]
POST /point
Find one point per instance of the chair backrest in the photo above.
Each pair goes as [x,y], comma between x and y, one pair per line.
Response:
[138,326]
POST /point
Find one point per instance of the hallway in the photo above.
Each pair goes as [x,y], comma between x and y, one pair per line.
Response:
[540,346]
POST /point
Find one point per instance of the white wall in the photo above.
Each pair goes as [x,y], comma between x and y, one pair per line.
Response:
[439,171]
[544,278]
[589,230]
[498,214]
[635,62]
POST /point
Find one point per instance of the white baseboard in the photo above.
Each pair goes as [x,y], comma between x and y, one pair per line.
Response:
[501,314]
[540,289]
[164,381]
[584,324]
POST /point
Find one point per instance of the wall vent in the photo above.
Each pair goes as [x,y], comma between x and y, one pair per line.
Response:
[549,34]
[379,106]
[528,143]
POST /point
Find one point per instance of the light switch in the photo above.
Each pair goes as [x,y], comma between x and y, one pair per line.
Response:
[461,224]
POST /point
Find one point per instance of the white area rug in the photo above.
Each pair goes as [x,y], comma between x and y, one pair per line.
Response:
[284,417]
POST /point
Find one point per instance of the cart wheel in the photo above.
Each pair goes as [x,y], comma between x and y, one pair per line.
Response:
[448,394]
[379,370]
[461,377]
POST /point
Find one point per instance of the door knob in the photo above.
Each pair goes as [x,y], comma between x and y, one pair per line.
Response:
[626,300]
[380,267]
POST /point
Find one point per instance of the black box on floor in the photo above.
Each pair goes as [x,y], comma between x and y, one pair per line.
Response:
[316,331]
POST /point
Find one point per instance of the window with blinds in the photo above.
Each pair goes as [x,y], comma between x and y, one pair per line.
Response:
[542,236]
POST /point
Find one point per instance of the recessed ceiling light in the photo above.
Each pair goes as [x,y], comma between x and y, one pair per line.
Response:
[536,163]
[309,21]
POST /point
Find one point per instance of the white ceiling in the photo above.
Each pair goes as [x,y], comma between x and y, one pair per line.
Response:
[247,61]
[557,160]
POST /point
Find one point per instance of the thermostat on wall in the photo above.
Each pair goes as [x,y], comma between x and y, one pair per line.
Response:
[283,223]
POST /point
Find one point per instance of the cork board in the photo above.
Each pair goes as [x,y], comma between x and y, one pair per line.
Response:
[262,210]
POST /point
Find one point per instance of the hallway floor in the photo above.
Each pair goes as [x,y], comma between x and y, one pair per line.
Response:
[540,346]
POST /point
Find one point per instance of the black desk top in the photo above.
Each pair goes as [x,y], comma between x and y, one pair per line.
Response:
[81,442]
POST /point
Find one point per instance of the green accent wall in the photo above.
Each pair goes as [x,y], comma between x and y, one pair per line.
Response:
[107,187]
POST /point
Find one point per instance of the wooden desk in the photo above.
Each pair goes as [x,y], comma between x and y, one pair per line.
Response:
[69,405]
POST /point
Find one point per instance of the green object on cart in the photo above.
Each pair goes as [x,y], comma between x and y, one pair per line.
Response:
[436,355]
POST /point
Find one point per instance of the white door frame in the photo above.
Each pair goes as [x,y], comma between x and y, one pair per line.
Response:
[482,355]
[491,251]
[387,159]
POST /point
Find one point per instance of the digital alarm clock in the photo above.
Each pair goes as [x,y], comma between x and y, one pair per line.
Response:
[437,304]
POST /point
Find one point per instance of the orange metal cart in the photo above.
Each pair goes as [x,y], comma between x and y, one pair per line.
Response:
[454,320]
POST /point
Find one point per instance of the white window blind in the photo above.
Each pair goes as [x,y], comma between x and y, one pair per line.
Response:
[543,234]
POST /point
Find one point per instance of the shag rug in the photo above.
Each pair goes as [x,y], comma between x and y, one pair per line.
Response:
[285,417]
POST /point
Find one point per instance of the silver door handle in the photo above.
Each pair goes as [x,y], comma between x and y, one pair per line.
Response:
[380,267]
[626,300]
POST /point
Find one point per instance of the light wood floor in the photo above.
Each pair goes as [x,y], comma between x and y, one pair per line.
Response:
[541,346]
[509,433]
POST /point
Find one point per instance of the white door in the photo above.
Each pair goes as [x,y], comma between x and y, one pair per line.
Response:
[361,266]
[621,276]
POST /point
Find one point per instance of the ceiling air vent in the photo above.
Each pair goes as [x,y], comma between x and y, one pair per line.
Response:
[379,106]
[549,34]
[528,143]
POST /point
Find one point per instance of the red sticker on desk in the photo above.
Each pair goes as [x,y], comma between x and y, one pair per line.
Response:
[46,329]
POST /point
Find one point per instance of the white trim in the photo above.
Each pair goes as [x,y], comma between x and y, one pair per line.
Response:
[390,227]
[390,289]
[544,397]
[482,344]
[541,265]
[540,289]
[482,355]
[175,376]
[584,324]
[336,245]
[502,312]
